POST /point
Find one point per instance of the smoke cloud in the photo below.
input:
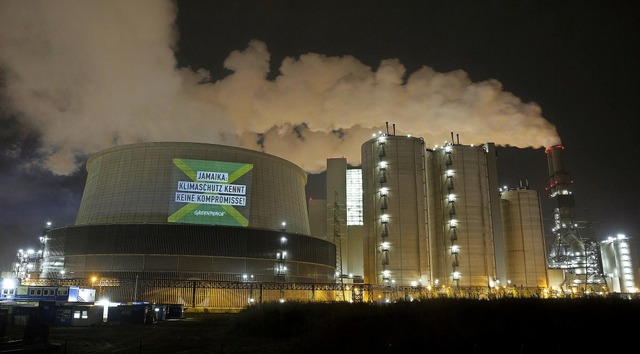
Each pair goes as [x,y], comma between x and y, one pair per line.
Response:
[89,75]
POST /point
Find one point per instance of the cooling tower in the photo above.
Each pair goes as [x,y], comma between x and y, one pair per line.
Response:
[142,183]
[191,211]
[526,256]
[394,210]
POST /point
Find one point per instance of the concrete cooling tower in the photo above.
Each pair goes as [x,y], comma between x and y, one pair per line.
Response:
[191,211]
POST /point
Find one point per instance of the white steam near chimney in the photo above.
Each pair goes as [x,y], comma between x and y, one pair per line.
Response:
[88,75]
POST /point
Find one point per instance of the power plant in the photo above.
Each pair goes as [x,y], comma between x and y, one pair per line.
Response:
[436,217]
[225,226]
[573,253]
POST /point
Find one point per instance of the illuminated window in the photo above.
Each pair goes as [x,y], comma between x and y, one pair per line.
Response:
[76,314]
[354,197]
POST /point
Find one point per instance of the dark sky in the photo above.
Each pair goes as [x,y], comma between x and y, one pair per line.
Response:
[576,60]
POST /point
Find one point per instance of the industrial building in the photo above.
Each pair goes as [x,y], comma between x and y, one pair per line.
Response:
[395,233]
[525,251]
[411,219]
[172,210]
[435,217]
[619,258]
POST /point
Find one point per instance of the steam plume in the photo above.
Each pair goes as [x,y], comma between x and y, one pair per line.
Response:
[89,75]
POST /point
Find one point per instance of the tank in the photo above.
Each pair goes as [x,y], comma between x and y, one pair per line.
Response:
[394,208]
[526,255]
[460,216]
[620,264]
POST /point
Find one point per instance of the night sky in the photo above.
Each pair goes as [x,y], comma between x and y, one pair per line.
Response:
[311,80]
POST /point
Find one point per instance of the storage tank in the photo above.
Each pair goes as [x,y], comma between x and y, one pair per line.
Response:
[461,220]
[394,210]
[620,264]
[526,256]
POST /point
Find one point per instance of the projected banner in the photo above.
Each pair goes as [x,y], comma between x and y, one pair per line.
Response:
[211,192]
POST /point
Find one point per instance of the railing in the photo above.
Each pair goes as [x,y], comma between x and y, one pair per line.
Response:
[236,295]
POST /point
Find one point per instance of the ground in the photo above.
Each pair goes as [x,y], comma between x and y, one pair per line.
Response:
[433,326]
[196,333]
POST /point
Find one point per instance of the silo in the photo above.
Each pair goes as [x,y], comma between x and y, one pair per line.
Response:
[526,256]
[620,264]
[394,208]
[462,215]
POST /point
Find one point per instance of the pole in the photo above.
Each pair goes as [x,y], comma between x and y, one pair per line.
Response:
[193,295]
[135,291]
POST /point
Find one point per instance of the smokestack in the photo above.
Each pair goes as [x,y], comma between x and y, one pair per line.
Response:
[458,139]
[387,125]
[559,186]
[555,161]
[452,141]
[394,129]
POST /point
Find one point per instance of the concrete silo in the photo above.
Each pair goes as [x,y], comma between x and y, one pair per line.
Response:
[394,211]
[526,255]
[465,230]
[620,264]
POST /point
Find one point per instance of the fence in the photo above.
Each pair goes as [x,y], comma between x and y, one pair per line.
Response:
[237,295]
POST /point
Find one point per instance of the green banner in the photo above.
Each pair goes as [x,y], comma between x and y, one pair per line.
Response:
[211,192]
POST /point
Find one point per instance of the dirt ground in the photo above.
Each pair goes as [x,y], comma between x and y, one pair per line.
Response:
[195,333]
[433,326]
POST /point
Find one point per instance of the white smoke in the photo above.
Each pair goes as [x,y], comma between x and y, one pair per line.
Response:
[89,75]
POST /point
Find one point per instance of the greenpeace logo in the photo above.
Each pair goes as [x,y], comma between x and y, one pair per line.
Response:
[208,213]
